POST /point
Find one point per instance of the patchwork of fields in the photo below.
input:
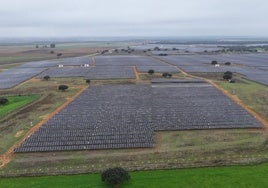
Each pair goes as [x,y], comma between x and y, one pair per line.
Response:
[137,116]
[126,116]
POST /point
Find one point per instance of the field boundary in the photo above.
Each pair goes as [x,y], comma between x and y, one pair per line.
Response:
[23,107]
[159,164]
[136,73]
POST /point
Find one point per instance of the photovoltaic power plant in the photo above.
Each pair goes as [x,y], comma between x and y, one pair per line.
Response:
[126,116]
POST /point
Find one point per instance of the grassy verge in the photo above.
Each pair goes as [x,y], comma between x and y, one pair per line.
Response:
[16,102]
[146,76]
[240,176]
[252,94]
[10,54]
[174,149]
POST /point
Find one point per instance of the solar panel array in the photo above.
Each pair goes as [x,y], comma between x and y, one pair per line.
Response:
[40,64]
[253,66]
[125,116]
[127,61]
[101,117]
[160,69]
[73,61]
[103,72]
[15,76]
[195,105]
[111,67]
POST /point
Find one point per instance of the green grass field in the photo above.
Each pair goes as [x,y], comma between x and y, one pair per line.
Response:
[251,93]
[237,176]
[16,102]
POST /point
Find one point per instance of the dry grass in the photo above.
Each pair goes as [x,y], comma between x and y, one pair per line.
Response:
[13,54]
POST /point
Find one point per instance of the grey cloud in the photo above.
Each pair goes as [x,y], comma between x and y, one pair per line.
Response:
[132,17]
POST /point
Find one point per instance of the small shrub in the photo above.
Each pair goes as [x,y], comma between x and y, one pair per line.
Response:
[59,55]
[162,54]
[157,48]
[167,75]
[115,176]
[151,71]
[228,75]
[3,101]
[232,81]
[46,77]
[228,63]
[214,62]
[63,87]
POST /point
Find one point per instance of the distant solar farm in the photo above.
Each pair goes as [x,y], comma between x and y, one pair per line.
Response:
[253,66]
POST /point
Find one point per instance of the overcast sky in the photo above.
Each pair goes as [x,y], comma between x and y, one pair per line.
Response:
[64,18]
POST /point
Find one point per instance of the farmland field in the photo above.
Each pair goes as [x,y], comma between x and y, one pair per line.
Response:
[16,102]
[240,176]
[18,53]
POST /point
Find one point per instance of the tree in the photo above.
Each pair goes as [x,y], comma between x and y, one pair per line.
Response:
[52,45]
[227,75]
[228,63]
[166,75]
[63,87]
[157,48]
[46,77]
[3,101]
[115,176]
[232,81]
[151,71]
[59,54]
[88,81]
[214,62]
[52,52]
[37,46]
[162,54]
